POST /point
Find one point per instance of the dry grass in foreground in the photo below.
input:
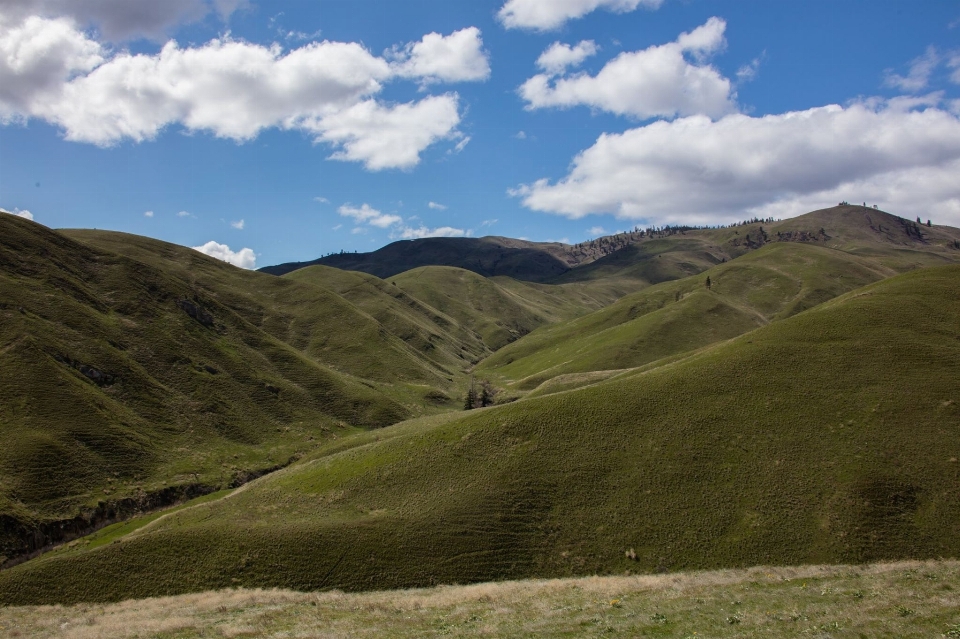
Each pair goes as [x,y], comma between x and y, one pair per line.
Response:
[906,599]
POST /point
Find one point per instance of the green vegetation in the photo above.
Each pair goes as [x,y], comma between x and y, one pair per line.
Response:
[776,281]
[498,310]
[829,436]
[112,390]
[674,399]
[905,600]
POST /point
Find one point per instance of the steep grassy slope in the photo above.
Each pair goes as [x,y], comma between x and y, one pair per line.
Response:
[830,436]
[119,376]
[500,310]
[773,282]
[304,314]
[437,335]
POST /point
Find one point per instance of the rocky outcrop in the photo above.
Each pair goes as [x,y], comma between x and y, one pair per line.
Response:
[197,312]
[97,376]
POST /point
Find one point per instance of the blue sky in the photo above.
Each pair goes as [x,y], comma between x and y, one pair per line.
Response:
[276,131]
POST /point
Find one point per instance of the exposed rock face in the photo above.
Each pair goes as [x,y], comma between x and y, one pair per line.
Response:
[95,375]
[197,312]
[803,236]
[20,540]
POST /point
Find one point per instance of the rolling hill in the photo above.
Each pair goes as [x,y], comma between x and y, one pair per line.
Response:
[827,436]
[799,409]
[137,372]
[773,282]
[632,259]
[120,379]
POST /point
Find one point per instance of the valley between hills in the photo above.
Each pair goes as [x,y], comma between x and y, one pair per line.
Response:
[772,393]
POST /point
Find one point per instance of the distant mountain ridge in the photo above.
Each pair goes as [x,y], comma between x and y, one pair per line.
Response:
[631,254]
[487,256]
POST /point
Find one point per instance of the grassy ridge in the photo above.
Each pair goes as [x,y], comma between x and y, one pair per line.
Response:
[303,313]
[776,281]
[902,600]
[830,436]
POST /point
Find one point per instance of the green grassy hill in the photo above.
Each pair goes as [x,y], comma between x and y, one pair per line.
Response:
[303,313]
[675,317]
[498,311]
[830,436]
[129,366]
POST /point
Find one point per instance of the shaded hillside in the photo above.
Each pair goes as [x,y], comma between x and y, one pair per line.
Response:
[129,365]
[776,281]
[830,436]
[487,256]
[451,314]
[304,314]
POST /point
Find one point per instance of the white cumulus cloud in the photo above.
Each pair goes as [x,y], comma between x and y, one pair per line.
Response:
[544,15]
[559,57]
[901,154]
[658,81]
[369,215]
[233,89]
[388,136]
[436,207]
[37,57]
[148,214]
[458,57]
[238,224]
[244,258]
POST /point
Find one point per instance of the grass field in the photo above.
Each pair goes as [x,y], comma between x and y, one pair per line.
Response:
[900,600]
[803,409]
[827,437]
[771,283]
